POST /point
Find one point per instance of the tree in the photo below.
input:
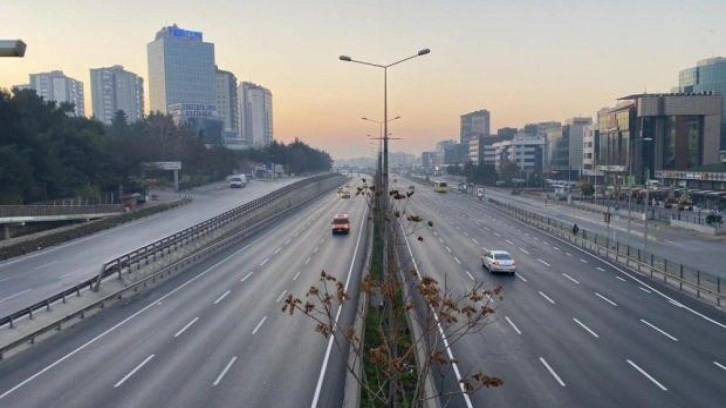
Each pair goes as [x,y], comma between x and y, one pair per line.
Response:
[508,170]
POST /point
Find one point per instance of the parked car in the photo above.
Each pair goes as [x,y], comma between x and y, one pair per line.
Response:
[498,261]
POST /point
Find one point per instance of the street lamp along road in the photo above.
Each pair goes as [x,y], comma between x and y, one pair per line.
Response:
[12,48]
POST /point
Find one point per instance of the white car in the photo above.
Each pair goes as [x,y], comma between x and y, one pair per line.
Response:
[498,261]
[237,181]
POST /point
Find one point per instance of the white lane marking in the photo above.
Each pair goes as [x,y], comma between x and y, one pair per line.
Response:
[586,328]
[224,372]
[307,261]
[643,289]
[259,325]
[440,240]
[661,331]
[4,279]
[277,251]
[554,374]
[224,295]
[558,249]
[475,241]
[294,278]
[568,254]
[188,325]
[511,323]
[449,353]
[497,234]
[570,278]
[583,260]
[620,278]
[510,242]
[45,264]
[546,297]
[520,277]
[65,275]
[329,349]
[296,234]
[265,261]
[121,323]
[15,295]
[317,248]
[648,376]
[523,250]
[466,234]
[605,299]
[287,242]
[457,260]
[448,249]
[137,368]
[600,269]
[470,276]
[719,365]
[246,277]
[543,262]
[487,228]
[279,298]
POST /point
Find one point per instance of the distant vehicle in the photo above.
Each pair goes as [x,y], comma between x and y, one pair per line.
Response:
[498,261]
[345,194]
[238,181]
[411,187]
[341,224]
[440,187]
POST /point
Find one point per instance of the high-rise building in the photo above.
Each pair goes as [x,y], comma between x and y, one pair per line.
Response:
[574,130]
[114,89]
[709,75]
[227,103]
[255,114]
[525,151]
[474,123]
[181,69]
[55,86]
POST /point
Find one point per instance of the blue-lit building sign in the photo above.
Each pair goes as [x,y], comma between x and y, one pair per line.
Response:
[174,31]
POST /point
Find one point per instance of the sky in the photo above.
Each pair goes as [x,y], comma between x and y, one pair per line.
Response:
[524,61]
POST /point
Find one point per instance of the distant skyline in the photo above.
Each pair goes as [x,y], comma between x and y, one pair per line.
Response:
[523,61]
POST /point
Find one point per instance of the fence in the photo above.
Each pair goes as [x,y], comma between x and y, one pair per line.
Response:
[699,283]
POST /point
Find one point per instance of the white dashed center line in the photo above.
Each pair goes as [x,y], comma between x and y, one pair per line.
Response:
[652,326]
[511,323]
[543,262]
[570,278]
[648,376]
[523,250]
[586,328]
[605,299]
[224,295]
[224,372]
[554,374]
[188,325]
[546,297]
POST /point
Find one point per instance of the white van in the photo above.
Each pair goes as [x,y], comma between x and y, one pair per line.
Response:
[238,181]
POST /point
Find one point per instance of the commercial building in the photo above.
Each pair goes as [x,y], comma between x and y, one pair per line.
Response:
[114,89]
[709,75]
[474,124]
[255,114]
[181,69]
[55,86]
[227,102]
[526,151]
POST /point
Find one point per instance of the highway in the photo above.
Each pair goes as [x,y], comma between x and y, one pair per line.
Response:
[212,336]
[572,330]
[36,276]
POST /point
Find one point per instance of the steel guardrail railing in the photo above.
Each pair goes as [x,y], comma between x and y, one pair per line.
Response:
[157,248]
[703,284]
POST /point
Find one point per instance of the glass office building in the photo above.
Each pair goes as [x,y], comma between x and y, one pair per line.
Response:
[709,75]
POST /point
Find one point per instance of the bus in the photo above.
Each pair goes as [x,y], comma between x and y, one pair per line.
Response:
[440,187]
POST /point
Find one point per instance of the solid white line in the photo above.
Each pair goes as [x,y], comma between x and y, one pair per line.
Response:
[520,277]
[259,325]
[277,251]
[600,269]
[663,332]
[219,299]
[647,375]
[188,325]
[329,349]
[586,328]
[546,297]
[511,323]
[554,374]
[619,278]
[137,368]
[570,278]
[296,276]
[510,242]
[279,298]
[15,295]
[643,289]
[224,372]
[457,260]
[605,299]
[721,366]
[583,260]
[449,353]
[523,250]
[543,262]
[470,276]
[307,261]
[448,249]
[246,277]
[265,261]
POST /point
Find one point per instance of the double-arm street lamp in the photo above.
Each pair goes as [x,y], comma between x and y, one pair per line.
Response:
[385,104]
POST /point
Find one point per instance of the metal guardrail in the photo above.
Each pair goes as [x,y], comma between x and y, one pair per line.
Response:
[159,249]
[699,283]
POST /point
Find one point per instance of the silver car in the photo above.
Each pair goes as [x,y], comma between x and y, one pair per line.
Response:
[498,261]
